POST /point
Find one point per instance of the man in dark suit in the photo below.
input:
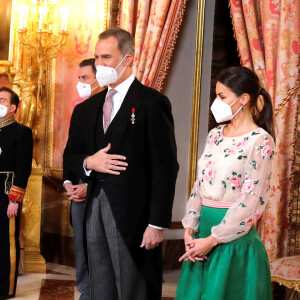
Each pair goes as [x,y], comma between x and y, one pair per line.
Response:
[16,146]
[122,140]
[76,187]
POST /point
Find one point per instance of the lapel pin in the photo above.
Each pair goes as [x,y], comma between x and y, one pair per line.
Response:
[133,116]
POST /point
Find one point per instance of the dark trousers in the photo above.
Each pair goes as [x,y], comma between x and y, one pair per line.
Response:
[113,274]
[78,215]
[9,249]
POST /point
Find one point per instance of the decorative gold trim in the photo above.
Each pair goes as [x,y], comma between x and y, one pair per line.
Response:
[56,172]
[8,184]
[290,93]
[161,72]
[13,254]
[7,122]
[50,107]
[291,284]
[294,192]
[16,193]
[112,12]
[196,96]
[12,55]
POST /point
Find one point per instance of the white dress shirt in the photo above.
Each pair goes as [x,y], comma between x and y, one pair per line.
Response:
[118,98]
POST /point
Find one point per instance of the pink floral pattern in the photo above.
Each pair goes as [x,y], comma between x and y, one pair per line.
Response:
[237,147]
[242,179]
[265,150]
[235,181]
[208,172]
[248,186]
[286,267]
[213,137]
[240,146]
[252,219]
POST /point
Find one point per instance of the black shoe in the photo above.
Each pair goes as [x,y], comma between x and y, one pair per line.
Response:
[5,297]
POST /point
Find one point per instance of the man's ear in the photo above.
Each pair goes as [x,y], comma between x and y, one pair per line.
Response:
[13,108]
[128,59]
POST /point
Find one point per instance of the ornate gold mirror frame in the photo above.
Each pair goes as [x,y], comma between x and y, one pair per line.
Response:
[196,96]
[13,49]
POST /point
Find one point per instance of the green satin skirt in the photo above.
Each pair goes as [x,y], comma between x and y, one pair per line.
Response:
[238,270]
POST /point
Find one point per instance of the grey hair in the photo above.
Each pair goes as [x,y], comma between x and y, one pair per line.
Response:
[125,39]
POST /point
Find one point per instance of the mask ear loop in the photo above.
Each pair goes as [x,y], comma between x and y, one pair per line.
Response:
[92,83]
[121,73]
[121,61]
[241,108]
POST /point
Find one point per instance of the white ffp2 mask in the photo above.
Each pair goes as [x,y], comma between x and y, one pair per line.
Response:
[222,111]
[107,75]
[3,111]
[85,89]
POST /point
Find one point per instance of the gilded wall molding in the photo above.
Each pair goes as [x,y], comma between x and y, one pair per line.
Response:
[50,107]
[196,96]
[14,49]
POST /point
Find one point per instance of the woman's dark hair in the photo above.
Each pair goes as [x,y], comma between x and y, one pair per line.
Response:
[241,80]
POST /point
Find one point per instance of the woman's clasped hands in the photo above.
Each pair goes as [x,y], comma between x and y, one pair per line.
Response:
[196,249]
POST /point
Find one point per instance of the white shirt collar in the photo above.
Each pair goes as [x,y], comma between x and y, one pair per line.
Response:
[124,86]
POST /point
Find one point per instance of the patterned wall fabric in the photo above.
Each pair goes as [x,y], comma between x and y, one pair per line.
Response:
[155,25]
[85,22]
[267,34]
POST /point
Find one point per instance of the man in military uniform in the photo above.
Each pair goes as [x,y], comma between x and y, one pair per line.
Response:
[16,146]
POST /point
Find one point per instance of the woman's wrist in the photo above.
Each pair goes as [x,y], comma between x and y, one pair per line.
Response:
[189,231]
[214,240]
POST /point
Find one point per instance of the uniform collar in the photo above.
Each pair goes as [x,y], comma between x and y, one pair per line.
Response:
[7,122]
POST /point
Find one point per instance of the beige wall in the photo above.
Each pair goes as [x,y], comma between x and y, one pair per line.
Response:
[179,88]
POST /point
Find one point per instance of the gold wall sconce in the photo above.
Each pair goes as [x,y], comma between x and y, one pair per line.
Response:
[38,30]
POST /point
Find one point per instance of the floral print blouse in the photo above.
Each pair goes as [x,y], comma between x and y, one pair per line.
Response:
[232,169]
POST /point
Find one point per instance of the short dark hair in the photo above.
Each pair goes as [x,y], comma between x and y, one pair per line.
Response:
[88,62]
[14,98]
[125,40]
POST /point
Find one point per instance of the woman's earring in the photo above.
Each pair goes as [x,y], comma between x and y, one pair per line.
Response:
[243,108]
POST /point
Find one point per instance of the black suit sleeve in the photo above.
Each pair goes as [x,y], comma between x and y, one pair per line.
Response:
[23,157]
[163,160]
[74,151]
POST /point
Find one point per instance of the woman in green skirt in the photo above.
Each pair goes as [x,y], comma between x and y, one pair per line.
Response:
[225,259]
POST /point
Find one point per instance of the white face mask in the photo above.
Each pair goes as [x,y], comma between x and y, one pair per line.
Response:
[107,75]
[85,89]
[3,111]
[222,111]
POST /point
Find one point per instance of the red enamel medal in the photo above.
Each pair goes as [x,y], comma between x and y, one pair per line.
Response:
[133,115]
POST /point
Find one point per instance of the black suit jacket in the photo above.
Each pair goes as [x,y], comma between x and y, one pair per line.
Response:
[143,194]
[16,144]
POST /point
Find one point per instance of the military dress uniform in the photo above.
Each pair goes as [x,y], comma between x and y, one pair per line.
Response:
[16,146]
